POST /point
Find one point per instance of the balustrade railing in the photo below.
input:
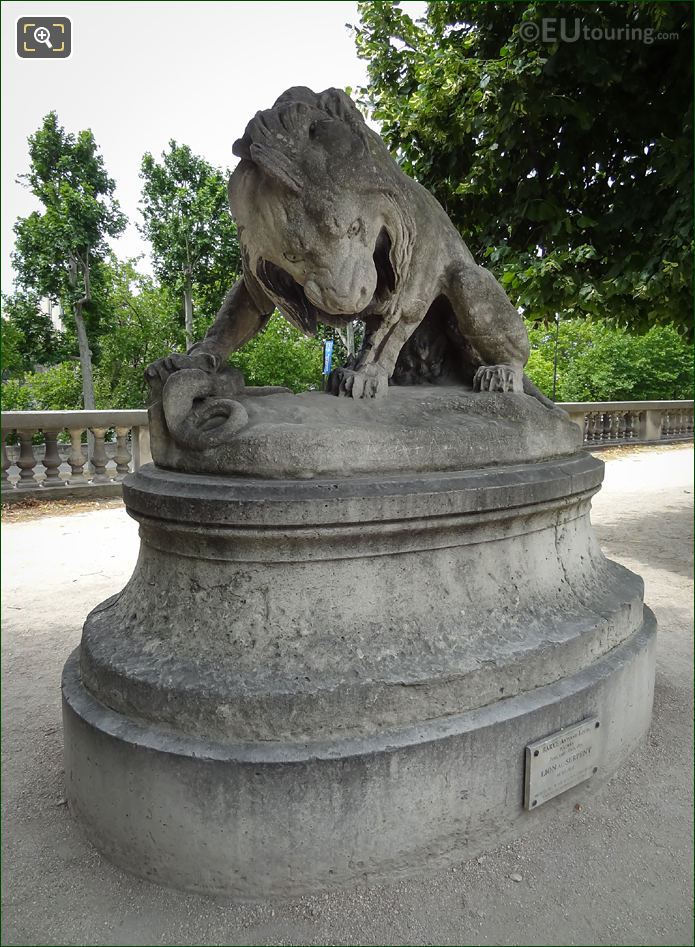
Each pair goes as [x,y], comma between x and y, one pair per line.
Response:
[59,466]
[612,423]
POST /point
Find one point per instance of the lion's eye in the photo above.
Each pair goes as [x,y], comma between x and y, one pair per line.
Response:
[293,257]
[354,228]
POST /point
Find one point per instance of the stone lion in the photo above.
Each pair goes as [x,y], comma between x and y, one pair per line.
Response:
[331,230]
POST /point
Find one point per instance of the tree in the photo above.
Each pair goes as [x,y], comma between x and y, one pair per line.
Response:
[29,337]
[281,355]
[600,362]
[186,218]
[144,324]
[11,346]
[566,164]
[58,248]
[59,388]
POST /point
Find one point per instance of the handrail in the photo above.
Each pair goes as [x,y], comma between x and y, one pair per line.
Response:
[55,469]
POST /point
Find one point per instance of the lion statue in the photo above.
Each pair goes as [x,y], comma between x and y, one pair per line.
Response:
[331,230]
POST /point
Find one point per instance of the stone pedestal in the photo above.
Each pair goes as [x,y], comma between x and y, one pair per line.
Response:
[310,681]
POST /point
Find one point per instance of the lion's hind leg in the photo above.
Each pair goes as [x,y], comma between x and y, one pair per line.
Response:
[492,327]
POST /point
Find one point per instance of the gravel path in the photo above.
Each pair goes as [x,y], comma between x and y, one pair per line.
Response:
[616,870]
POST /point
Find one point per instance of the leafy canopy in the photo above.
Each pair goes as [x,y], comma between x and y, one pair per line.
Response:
[29,337]
[567,166]
[599,362]
[281,355]
[79,214]
[187,221]
[144,323]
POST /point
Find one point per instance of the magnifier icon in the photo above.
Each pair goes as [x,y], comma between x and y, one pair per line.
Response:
[43,35]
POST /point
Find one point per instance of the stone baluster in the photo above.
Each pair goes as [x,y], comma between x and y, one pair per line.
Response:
[629,425]
[636,420]
[76,459]
[122,453]
[99,458]
[590,435]
[27,460]
[607,426]
[51,460]
[5,464]
[598,427]
[666,420]
[619,425]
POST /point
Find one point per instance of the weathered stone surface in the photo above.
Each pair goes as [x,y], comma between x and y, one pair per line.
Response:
[347,619]
[331,230]
[418,428]
[253,820]
[312,681]
[291,611]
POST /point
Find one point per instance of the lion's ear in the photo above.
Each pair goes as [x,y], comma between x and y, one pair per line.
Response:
[277,165]
[240,148]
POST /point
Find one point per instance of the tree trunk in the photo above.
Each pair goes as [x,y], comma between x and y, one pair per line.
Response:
[78,264]
[188,310]
[85,359]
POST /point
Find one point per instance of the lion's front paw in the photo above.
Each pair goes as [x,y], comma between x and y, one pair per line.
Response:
[369,382]
[498,378]
[160,370]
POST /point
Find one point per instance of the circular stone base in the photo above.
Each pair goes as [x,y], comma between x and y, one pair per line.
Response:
[282,819]
[307,682]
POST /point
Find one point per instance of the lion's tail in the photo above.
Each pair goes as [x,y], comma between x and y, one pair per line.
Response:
[530,389]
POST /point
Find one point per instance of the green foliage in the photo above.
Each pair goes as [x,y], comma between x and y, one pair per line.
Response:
[58,250]
[58,388]
[11,348]
[15,395]
[29,337]
[79,214]
[144,324]
[187,221]
[567,166]
[281,355]
[598,362]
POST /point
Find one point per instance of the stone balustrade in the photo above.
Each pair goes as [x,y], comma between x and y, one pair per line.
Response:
[59,467]
[612,423]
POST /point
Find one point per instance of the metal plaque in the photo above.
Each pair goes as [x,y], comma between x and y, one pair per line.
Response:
[561,761]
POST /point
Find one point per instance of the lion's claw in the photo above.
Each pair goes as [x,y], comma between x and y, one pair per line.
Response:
[367,382]
[162,368]
[498,378]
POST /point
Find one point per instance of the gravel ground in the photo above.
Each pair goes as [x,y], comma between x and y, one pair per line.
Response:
[615,869]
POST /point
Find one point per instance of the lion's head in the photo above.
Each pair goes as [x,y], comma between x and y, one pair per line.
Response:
[313,197]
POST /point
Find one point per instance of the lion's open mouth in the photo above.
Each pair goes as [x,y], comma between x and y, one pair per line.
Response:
[305,314]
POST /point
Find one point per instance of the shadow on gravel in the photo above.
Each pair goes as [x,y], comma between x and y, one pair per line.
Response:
[658,538]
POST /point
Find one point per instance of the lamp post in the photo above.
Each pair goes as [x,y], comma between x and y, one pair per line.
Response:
[557,338]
